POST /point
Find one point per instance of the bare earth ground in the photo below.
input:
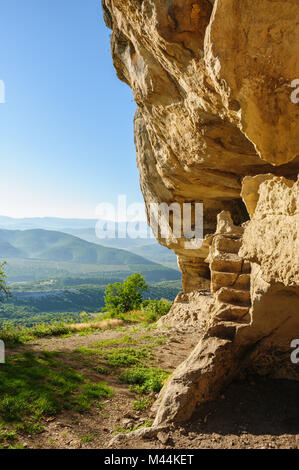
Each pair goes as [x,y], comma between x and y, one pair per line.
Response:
[256,413]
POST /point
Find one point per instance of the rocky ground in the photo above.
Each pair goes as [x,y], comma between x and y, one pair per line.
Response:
[252,413]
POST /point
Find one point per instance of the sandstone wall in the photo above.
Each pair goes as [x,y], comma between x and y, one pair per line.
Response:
[215,124]
[271,244]
[251,322]
[212,85]
[271,237]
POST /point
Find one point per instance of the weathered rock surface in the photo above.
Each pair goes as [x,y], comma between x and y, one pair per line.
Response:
[215,124]
[271,237]
[189,310]
[212,85]
[251,55]
[250,327]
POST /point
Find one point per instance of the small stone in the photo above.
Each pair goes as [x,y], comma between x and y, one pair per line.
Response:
[127,423]
[51,418]
[163,437]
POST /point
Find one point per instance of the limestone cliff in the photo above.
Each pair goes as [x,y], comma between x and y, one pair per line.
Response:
[212,82]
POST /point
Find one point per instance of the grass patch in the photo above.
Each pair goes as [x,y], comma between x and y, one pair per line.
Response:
[103,370]
[97,391]
[110,343]
[154,339]
[13,335]
[87,351]
[155,309]
[146,424]
[144,380]
[150,312]
[35,386]
[121,357]
[141,405]
[88,438]
[7,438]
[91,392]
[126,357]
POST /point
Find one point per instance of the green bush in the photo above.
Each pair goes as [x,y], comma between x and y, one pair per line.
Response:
[155,309]
[11,334]
[126,296]
[50,329]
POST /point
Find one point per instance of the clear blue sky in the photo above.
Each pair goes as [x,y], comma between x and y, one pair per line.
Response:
[66,129]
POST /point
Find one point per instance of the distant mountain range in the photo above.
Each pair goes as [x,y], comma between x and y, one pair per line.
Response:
[82,228]
[46,223]
[157,253]
[146,247]
[58,246]
[61,225]
[39,255]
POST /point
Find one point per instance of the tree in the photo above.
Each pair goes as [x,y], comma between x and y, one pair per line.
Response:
[4,292]
[125,296]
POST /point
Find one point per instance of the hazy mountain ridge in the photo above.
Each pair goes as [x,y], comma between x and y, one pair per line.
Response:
[46,223]
[58,246]
[157,253]
[85,229]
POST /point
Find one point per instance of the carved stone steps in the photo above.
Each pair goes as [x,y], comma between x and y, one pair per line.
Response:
[233,280]
[229,312]
[224,330]
[230,263]
[233,296]
[227,244]
[230,281]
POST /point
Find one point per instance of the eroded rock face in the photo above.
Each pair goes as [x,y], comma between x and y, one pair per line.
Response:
[251,55]
[212,85]
[271,237]
[251,322]
[189,311]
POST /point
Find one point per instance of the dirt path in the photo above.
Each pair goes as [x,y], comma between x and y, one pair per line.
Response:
[94,429]
[256,413]
[69,343]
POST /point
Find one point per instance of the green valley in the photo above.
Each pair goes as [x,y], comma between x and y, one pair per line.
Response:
[55,276]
